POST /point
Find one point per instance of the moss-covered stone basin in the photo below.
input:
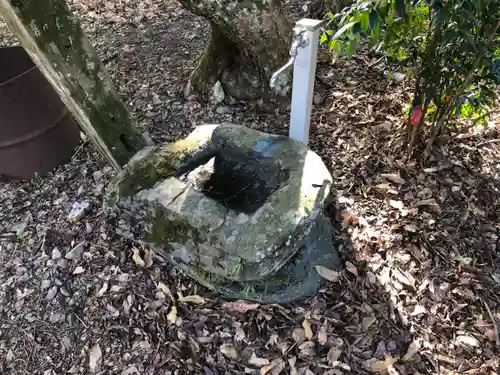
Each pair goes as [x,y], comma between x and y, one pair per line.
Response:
[232,207]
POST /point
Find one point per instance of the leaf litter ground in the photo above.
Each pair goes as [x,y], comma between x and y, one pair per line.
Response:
[420,288]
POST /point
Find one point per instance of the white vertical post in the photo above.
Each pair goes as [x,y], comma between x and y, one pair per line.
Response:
[304,73]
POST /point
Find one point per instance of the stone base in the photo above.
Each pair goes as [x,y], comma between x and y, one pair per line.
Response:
[295,280]
[238,210]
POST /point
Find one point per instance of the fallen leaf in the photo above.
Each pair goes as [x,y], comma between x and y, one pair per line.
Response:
[299,335]
[468,341]
[412,349]
[434,169]
[419,309]
[240,334]
[78,270]
[328,274]
[345,200]
[428,202]
[148,258]
[398,77]
[307,350]
[103,289]
[137,258]
[491,335]
[404,277]
[172,315]
[94,358]
[307,329]
[257,361]
[368,322]
[476,210]
[393,177]
[322,334]
[371,277]
[241,306]
[351,268]
[333,355]
[283,346]
[396,204]
[275,366]
[410,228]
[387,187]
[10,356]
[229,351]
[374,365]
[193,299]
[165,289]
[130,371]
[291,363]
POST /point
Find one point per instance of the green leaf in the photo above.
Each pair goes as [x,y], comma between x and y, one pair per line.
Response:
[338,47]
[363,6]
[470,40]
[343,29]
[439,14]
[332,44]
[348,50]
[323,39]
[356,29]
[365,21]
[331,16]
[383,11]
[376,31]
[373,18]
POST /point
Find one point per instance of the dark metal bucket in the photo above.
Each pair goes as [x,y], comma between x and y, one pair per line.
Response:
[37,133]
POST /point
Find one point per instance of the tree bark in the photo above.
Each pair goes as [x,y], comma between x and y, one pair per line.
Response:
[52,36]
[250,41]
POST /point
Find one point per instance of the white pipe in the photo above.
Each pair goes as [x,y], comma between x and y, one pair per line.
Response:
[304,73]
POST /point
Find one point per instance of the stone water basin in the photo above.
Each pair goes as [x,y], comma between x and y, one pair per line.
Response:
[238,210]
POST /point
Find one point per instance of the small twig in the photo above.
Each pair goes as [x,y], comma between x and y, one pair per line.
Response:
[77,151]
[495,326]
[376,62]
[497,140]
[81,321]
[448,360]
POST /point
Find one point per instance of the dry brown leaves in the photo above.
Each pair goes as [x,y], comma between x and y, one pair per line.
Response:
[418,294]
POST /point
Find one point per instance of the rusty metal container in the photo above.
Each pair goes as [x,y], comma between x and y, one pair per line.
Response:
[37,132]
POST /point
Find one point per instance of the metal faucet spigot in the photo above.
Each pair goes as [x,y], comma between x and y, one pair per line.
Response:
[299,42]
[276,74]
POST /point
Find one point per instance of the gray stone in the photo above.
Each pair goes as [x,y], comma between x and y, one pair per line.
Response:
[217,95]
[76,252]
[97,176]
[233,206]
[78,210]
[56,254]
[51,293]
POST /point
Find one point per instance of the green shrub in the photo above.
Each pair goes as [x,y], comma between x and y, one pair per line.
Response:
[451,47]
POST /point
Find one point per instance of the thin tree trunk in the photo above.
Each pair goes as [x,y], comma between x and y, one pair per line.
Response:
[250,41]
[52,36]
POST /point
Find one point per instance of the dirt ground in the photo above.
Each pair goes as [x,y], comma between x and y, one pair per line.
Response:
[420,289]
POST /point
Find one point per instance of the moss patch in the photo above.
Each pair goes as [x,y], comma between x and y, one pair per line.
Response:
[172,230]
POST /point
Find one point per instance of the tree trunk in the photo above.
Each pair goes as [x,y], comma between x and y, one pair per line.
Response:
[52,36]
[250,41]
